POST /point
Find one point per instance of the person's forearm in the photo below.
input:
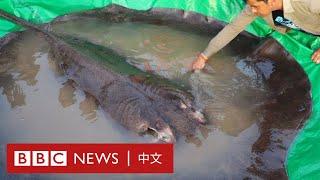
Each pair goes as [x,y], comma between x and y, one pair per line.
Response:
[229,33]
[220,41]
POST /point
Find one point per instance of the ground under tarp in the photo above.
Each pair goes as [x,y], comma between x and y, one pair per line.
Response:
[303,157]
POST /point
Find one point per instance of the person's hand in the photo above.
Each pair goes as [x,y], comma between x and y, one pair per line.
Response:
[147,67]
[316,57]
[199,63]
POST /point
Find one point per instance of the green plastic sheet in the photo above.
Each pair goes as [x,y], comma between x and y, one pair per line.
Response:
[303,157]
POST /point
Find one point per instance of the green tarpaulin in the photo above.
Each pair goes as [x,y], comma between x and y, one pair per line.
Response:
[303,158]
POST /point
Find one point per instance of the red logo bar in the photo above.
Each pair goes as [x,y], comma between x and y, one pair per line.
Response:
[90,158]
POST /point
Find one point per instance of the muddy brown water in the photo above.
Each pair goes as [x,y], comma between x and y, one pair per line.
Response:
[38,103]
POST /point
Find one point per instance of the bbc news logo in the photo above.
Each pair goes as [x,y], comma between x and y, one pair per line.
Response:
[90,158]
[40,158]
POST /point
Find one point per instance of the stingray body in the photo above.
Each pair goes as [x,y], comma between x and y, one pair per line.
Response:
[140,101]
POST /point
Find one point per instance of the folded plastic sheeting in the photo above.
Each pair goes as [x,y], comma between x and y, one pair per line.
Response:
[303,158]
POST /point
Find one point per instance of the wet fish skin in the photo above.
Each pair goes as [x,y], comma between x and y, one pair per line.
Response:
[141,105]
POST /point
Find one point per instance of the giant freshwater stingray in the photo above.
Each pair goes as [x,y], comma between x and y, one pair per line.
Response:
[288,103]
[282,115]
[140,101]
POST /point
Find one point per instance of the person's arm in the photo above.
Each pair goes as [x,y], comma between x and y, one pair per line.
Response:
[227,34]
[315,8]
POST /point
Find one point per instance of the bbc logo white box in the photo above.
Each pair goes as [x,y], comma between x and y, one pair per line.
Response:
[58,158]
[40,158]
[22,158]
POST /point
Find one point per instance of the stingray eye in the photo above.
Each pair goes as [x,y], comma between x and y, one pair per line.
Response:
[143,127]
[183,105]
[165,138]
